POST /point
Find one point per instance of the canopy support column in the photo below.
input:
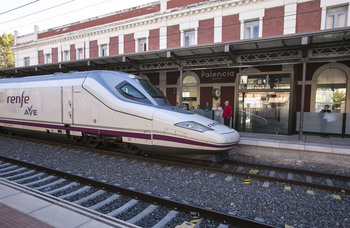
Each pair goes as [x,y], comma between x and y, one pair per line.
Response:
[301,122]
[181,82]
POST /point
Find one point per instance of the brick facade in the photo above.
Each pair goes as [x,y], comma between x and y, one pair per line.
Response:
[206,31]
[153,40]
[93,49]
[174,36]
[101,21]
[129,43]
[308,16]
[54,52]
[41,57]
[114,45]
[273,21]
[73,54]
[179,3]
[231,28]
[217,21]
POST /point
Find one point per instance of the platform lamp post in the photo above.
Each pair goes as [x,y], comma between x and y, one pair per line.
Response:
[304,50]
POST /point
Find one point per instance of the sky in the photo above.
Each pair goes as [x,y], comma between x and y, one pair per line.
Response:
[22,15]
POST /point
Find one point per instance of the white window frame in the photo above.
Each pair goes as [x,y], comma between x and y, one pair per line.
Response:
[189,27]
[191,35]
[66,55]
[141,35]
[338,10]
[103,50]
[251,25]
[47,58]
[144,43]
[328,4]
[26,61]
[80,53]
[249,16]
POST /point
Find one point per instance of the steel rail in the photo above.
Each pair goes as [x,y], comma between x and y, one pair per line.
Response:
[213,214]
[190,164]
[289,169]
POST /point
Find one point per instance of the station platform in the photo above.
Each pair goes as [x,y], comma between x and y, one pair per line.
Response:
[332,151]
[23,207]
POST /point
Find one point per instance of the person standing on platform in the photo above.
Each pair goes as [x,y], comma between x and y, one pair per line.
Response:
[324,120]
[217,112]
[227,113]
[207,107]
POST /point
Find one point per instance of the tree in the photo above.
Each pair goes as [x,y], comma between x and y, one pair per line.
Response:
[339,95]
[7,58]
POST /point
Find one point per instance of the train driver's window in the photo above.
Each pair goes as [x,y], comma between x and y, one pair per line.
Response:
[131,91]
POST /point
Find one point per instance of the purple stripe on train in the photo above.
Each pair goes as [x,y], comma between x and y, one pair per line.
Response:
[118,133]
[188,141]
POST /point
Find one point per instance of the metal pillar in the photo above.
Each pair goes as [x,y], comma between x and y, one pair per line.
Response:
[181,80]
[301,123]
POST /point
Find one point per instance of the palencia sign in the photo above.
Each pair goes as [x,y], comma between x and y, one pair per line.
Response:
[217,75]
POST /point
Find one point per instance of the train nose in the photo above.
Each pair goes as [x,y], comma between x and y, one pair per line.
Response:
[227,138]
[230,137]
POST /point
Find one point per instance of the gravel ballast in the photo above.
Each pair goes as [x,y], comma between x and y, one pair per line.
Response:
[273,204]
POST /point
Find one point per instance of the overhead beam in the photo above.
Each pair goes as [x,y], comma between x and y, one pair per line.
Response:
[128,62]
[230,53]
[173,58]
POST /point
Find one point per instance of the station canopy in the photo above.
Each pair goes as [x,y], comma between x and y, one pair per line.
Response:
[320,46]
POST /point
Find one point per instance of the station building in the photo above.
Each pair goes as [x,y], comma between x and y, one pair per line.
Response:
[272,59]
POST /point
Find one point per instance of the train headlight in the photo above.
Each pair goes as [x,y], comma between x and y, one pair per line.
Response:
[190,125]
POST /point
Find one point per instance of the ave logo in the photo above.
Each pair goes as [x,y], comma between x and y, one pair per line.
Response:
[30,111]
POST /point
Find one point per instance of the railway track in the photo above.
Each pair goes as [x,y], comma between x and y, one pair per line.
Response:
[266,173]
[302,177]
[271,173]
[142,209]
[272,177]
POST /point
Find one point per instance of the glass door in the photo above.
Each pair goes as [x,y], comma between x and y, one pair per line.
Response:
[264,112]
[264,103]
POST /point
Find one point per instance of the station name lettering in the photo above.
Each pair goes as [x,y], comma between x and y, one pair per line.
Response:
[211,74]
[18,99]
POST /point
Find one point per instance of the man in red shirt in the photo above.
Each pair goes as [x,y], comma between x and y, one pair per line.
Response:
[227,113]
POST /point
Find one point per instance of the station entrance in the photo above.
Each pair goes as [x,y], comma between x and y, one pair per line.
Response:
[189,91]
[264,103]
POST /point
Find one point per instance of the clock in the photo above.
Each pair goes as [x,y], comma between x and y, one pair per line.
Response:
[216,93]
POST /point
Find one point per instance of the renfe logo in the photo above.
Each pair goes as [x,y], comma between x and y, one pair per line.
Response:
[18,99]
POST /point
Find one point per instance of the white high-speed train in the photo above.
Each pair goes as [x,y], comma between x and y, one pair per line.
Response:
[113,107]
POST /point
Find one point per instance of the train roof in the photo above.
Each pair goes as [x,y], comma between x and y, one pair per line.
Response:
[63,76]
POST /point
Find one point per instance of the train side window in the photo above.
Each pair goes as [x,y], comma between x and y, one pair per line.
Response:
[131,93]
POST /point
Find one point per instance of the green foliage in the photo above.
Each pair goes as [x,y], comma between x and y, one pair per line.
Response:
[7,58]
[339,96]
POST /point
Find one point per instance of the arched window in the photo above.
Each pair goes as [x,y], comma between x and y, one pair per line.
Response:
[189,90]
[331,90]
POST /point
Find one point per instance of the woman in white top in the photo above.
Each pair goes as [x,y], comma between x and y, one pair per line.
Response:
[217,112]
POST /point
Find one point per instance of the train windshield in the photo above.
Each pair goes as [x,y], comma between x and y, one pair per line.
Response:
[150,88]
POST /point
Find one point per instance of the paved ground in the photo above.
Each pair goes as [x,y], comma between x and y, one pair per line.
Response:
[11,218]
[23,208]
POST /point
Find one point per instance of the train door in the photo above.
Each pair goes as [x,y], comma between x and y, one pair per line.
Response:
[67,105]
